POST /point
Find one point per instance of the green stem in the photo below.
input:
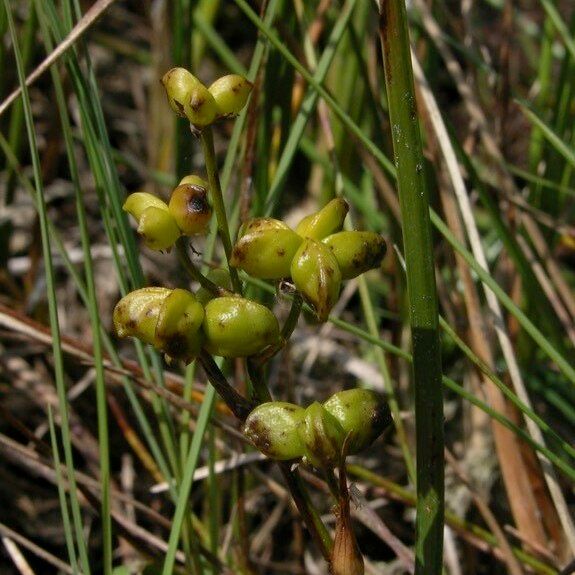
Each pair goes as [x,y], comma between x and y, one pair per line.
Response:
[420,286]
[207,138]
[308,512]
[293,317]
[194,272]
[241,408]
[238,404]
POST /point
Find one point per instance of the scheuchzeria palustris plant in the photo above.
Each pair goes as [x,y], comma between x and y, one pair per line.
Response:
[315,256]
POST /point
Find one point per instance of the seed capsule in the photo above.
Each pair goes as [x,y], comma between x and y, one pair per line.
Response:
[265,250]
[272,428]
[178,332]
[178,83]
[138,202]
[356,252]
[190,208]
[170,320]
[136,314]
[155,224]
[325,222]
[231,94]
[158,228]
[363,415]
[260,224]
[194,180]
[200,108]
[322,437]
[238,327]
[316,275]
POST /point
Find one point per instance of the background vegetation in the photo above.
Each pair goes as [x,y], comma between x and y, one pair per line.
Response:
[99,437]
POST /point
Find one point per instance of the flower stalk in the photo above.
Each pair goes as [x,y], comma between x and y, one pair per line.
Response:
[207,138]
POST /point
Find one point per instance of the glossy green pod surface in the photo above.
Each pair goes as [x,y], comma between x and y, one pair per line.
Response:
[315,273]
[238,327]
[136,314]
[178,83]
[138,202]
[363,415]
[326,221]
[158,228]
[266,251]
[178,332]
[356,252]
[272,428]
[322,437]
[231,93]
[200,108]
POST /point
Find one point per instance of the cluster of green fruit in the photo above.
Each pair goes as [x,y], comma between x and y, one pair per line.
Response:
[187,213]
[181,324]
[201,105]
[321,434]
[317,255]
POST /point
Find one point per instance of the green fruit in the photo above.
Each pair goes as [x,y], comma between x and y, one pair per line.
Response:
[363,415]
[138,202]
[316,275]
[238,327]
[261,224]
[179,83]
[231,94]
[272,428]
[356,252]
[266,250]
[325,222]
[190,208]
[136,314]
[158,228]
[155,224]
[322,437]
[194,180]
[200,108]
[178,332]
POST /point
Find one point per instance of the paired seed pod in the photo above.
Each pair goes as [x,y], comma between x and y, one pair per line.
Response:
[350,420]
[265,249]
[189,206]
[317,255]
[190,99]
[315,273]
[170,320]
[155,223]
[238,327]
